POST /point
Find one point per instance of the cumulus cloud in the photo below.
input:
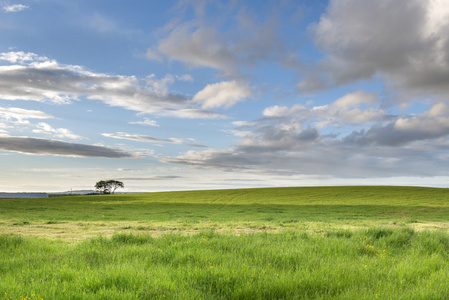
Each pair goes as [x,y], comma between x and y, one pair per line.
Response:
[35,78]
[404,42]
[432,124]
[298,126]
[37,146]
[355,108]
[226,94]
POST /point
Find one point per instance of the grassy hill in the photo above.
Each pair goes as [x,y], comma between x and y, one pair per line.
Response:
[276,243]
[242,210]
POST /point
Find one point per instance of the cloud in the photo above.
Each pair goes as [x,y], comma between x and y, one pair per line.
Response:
[432,124]
[205,44]
[405,42]
[190,113]
[20,113]
[102,23]
[185,77]
[326,158]
[45,128]
[106,25]
[146,122]
[21,57]
[355,108]
[198,47]
[226,94]
[14,117]
[151,178]
[34,78]
[37,146]
[15,8]
[273,138]
[145,138]
[318,141]
[297,127]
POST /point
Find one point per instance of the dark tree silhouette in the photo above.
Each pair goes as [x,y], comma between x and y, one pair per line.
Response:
[108,186]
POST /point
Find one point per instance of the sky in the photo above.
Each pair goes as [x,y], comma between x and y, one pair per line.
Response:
[185,95]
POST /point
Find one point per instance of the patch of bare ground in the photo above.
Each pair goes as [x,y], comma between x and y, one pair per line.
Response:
[73,232]
[421,226]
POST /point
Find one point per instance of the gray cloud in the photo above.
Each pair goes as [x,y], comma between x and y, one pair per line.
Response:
[327,158]
[272,138]
[432,124]
[287,142]
[403,41]
[145,138]
[199,43]
[150,178]
[51,147]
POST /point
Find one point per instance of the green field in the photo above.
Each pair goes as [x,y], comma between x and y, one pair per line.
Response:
[275,243]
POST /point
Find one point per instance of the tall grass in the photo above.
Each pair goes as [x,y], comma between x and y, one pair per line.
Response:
[376,263]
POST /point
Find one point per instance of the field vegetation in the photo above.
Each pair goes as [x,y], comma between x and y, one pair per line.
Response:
[276,243]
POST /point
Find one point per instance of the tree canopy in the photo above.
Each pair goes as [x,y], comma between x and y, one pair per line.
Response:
[108,186]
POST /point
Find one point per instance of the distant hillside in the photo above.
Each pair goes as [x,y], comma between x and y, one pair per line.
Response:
[22,195]
[75,192]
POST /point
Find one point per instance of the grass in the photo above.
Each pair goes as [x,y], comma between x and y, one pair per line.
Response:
[278,243]
[378,263]
[242,211]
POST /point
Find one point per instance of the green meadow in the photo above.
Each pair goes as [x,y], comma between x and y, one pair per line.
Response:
[274,243]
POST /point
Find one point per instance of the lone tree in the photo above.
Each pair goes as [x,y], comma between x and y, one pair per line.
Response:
[108,186]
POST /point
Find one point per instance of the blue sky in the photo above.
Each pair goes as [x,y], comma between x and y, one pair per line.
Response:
[176,95]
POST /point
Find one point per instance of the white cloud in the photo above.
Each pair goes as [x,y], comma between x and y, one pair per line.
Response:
[44,128]
[21,57]
[16,118]
[226,94]
[355,108]
[193,114]
[34,78]
[146,122]
[20,113]
[160,86]
[15,7]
